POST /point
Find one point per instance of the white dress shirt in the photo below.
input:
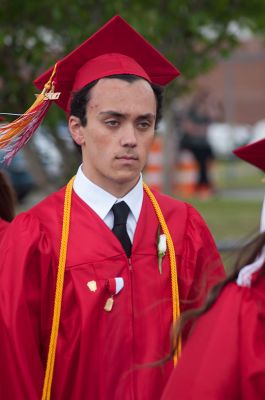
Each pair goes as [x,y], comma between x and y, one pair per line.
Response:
[101,201]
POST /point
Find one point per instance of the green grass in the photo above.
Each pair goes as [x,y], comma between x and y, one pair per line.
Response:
[230,219]
[236,174]
[232,223]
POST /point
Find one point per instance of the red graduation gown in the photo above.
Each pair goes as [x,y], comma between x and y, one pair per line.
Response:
[100,355]
[225,356]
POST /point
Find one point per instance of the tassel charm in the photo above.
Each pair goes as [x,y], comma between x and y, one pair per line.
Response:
[15,134]
[109,304]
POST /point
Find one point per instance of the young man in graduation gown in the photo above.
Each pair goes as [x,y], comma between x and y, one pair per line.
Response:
[122,288]
[224,358]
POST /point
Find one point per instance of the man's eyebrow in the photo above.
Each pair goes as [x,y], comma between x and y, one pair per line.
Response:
[112,113]
[147,116]
[120,115]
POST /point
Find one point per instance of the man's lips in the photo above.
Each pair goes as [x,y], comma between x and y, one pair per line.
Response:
[127,157]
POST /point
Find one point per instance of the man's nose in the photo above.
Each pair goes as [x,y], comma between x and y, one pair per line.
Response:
[128,137]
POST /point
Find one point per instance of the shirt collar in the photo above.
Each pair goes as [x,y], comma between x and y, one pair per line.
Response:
[134,198]
[101,201]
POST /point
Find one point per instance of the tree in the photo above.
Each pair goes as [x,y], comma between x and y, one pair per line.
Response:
[193,34]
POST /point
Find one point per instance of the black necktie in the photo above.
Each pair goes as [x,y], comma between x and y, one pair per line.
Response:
[121,211]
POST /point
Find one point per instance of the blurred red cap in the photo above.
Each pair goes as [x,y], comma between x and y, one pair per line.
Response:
[253,153]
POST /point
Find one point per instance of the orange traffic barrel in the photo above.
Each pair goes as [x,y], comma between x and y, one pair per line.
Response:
[153,172]
[186,175]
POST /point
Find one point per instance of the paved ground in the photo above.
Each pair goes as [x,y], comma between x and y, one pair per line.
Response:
[243,194]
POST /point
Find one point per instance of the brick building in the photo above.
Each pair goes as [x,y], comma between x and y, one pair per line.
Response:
[239,83]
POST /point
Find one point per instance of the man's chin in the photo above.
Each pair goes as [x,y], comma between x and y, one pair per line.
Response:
[126,178]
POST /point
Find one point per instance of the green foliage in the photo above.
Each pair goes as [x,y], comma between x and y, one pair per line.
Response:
[33,35]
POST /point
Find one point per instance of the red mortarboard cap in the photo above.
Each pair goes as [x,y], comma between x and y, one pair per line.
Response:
[253,153]
[114,49]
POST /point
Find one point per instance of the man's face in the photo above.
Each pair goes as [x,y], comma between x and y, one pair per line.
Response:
[118,134]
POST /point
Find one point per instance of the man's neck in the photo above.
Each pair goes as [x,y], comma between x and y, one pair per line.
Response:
[117,189]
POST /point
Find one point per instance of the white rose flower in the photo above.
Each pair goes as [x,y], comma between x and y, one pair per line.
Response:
[161,250]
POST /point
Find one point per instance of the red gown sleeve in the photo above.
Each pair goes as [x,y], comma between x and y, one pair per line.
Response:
[24,308]
[224,356]
[201,263]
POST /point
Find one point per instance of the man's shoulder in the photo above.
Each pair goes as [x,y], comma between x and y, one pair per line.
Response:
[169,203]
[47,213]
[174,208]
[44,217]
[173,203]
[49,204]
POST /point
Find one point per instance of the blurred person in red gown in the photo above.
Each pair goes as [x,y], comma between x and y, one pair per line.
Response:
[224,357]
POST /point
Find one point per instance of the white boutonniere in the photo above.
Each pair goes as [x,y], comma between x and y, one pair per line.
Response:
[161,249]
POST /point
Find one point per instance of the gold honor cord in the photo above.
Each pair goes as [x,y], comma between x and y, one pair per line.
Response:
[46,393]
[173,265]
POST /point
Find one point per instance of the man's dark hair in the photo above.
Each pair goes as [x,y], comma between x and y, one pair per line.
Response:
[82,97]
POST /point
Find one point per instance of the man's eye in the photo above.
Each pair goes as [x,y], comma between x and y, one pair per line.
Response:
[144,125]
[112,122]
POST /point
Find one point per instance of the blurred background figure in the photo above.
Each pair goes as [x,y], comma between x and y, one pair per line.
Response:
[199,113]
[7,202]
[19,176]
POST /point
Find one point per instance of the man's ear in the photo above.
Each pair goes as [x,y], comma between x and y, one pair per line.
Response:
[76,130]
